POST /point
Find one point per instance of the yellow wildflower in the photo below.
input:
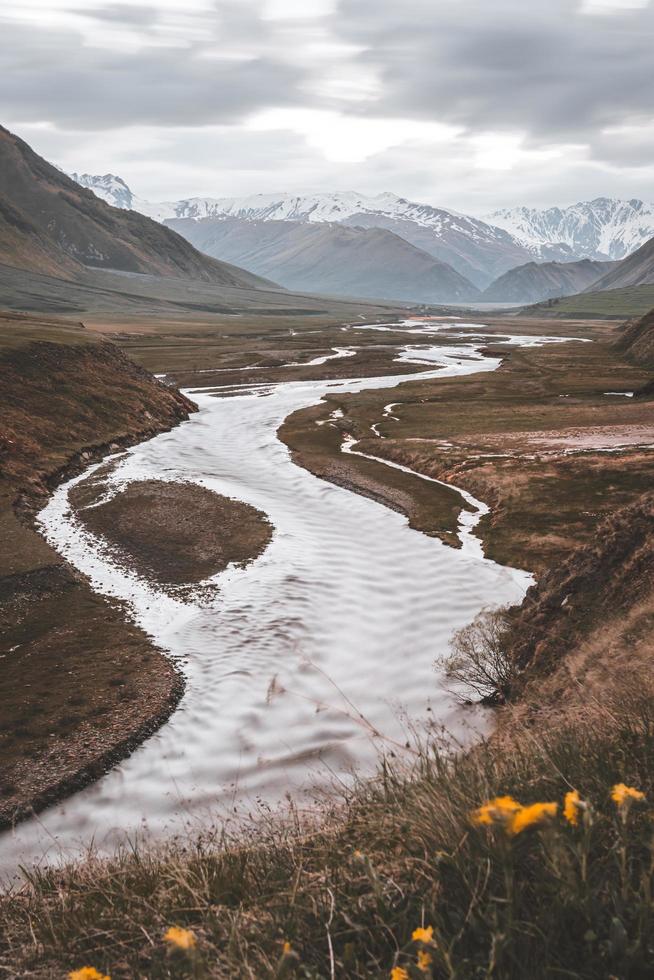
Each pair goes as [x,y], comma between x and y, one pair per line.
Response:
[180,938]
[399,973]
[571,806]
[286,948]
[622,795]
[528,816]
[424,961]
[87,973]
[423,935]
[500,810]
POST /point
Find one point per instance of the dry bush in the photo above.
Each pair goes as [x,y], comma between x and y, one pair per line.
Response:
[479,664]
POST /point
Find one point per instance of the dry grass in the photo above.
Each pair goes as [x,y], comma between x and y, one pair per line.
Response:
[401,853]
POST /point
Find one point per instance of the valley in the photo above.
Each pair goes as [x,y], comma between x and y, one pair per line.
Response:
[293,580]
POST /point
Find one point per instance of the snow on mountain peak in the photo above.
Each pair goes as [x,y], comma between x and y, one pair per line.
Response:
[604,228]
[479,248]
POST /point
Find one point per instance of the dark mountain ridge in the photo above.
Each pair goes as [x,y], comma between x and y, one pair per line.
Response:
[49,224]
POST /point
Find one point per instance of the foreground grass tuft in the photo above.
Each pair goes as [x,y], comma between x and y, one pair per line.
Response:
[531,862]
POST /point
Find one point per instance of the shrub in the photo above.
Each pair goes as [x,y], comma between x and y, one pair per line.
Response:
[479,664]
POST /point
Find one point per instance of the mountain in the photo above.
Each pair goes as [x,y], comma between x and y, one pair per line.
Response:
[601,229]
[480,249]
[109,188]
[329,257]
[477,250]
[49,224]
[636,270]
[533,282]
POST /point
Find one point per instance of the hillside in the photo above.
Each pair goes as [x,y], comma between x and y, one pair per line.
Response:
[328,257]
[636,270]
[636,340]
[49,224]
[533,282]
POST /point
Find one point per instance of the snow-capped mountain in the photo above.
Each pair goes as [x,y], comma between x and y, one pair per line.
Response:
[109,188]
[479,249]
[599,229]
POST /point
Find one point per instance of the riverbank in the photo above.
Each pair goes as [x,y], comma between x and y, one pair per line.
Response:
[80,685]
[550,441]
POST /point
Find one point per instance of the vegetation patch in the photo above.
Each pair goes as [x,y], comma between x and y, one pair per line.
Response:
[536,856]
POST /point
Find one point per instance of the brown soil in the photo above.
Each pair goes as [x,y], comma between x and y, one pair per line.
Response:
[174,532]
[79,685]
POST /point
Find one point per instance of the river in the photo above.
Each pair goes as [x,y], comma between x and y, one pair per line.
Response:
[301,666]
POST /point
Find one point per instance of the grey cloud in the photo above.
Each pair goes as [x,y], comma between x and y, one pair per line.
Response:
[120,13]
[541,67]
[52,76]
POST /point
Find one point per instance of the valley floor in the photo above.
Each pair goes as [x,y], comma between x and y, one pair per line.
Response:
[555,443]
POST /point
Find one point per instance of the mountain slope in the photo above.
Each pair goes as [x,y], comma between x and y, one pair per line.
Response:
[636,270]
[329,257]
[636,340]
[533,282]
[49,224]
[604,228]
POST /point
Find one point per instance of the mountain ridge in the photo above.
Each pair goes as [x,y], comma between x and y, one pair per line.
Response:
[329,257]
[537,281]
[604,228]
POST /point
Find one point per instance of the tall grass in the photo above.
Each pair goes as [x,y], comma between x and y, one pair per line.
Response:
[346,896]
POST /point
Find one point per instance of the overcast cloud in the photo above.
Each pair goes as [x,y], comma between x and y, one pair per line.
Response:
[463,103]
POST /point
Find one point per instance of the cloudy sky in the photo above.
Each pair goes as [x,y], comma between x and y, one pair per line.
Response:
[470,104]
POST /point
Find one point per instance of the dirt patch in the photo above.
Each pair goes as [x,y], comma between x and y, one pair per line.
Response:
[174,533]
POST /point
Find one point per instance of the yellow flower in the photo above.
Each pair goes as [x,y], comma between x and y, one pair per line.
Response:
[399,973]
[528,816]
[500,810]
[424,961]
[622,795]
[180,938]
[423,935]
[286,949]
[571,806]
[87,973]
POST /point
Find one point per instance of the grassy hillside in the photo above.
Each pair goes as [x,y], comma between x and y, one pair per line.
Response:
[611,303]
[402,883]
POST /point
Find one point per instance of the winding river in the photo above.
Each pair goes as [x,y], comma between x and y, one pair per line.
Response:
[301,666]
